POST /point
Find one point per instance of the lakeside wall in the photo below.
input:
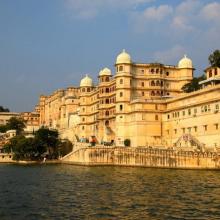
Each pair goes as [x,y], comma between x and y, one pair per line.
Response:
[6,158]
[144,157]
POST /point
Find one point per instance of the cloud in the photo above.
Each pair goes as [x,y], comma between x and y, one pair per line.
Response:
[87,9]
[168,56]
[211,12]
[157,14]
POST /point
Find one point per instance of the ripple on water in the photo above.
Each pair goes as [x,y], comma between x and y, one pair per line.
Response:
[107,193]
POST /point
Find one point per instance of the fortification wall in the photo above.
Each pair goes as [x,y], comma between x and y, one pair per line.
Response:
[144,157]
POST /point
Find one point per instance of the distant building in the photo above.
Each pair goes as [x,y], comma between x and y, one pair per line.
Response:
[142,102]
[5,116]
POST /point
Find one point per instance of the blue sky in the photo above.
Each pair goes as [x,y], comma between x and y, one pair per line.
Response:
[51,44]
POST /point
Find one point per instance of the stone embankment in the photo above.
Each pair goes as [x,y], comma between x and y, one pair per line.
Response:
[143,157]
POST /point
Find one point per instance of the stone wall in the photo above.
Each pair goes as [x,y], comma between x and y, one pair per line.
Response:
[5,158]
[145,157]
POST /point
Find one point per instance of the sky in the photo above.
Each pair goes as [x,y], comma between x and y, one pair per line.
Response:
[51,44]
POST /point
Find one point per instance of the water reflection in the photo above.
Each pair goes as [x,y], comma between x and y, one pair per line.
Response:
[74,192]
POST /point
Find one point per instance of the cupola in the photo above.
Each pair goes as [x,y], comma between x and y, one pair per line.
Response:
[185,62]
[86,82]
[123,57]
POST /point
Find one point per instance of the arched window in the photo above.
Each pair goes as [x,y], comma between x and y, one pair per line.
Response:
[107,113]
[107,79]
[106,123]
[157,83]
[152,83]
[157,70]
[152,70]
[121,107]
[152,93]
[83,89]
[107,90]
[88,89]
[158,93]
[107,101]
[120,68]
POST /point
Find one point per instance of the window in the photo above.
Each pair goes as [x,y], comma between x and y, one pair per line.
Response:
[83,119]
[217,106]
[107,79]
[168,116]
[210,73]
[195,128]
[195,110]
[83,89]
[152,93]
[216,71]
[152,83]
[107,90]
[184,130]
[142,93]
[167,73]
[120,68]
[121,107]
[157,70]
[121,94]
[183,113]
[83,127]
[107,113]
[189,111]
[142,71]
[107,101]
[189,130]
[142,84]
[121,81]
[175,131]
[205,127]
[88,89]
[156,117]
[216,126]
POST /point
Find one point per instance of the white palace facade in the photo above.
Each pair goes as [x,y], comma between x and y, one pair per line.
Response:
[142,102]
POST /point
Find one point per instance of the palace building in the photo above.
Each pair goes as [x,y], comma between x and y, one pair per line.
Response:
[142,102]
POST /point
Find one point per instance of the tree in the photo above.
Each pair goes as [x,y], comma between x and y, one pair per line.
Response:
[127,142]
[193,85]
[15,124]
[2,109]
[48,139]
[214,58]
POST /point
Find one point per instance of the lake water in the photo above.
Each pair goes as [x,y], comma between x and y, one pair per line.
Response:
[75,192]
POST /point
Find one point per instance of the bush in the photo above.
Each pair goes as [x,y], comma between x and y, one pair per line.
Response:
[127,142]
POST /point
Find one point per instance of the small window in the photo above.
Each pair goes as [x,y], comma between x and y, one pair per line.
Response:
[142,93]
[168,116]
[142,84]
[216,72]
[156,117]
[167,73]
[205,127]
[175,131]
[210,73]
[121,81]
[121,94]
[195,128]
[121,107]
[120,68]
[216,126]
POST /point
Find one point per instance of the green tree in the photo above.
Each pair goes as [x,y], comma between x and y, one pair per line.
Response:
[214,58]
[16,124]
[193,85]
[48,139]
[65,147]
[2,109]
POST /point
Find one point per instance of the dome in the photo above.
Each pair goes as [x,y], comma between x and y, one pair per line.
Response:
[105,72]
[123,57]
[86,82]
[185,62]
